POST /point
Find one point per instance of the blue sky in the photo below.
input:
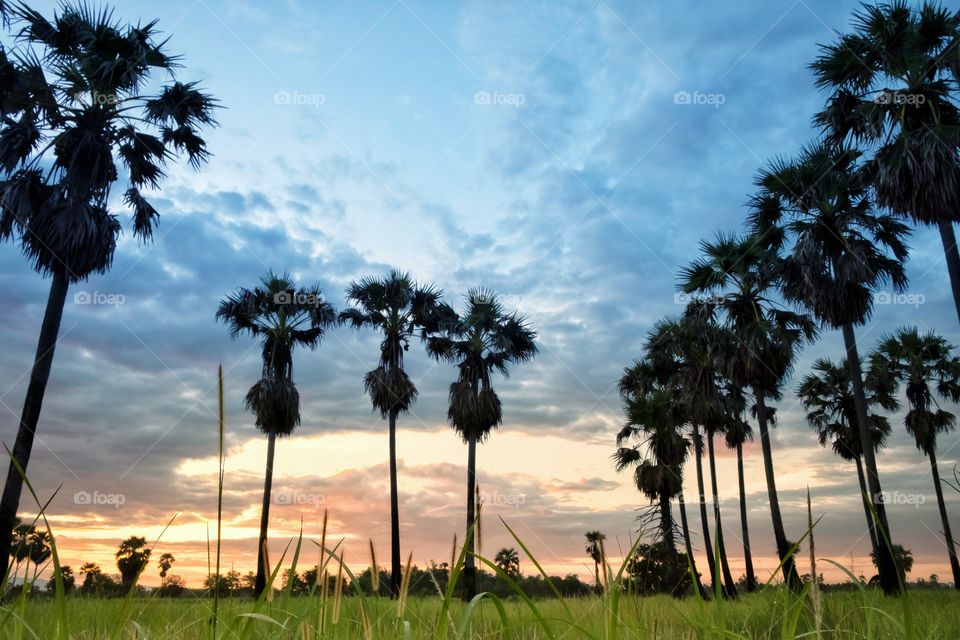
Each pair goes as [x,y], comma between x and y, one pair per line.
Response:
[539,149]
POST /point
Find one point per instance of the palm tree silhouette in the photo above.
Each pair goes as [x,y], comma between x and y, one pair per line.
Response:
[839,250]
[595,551]
[827,395]
[893,83]
[737,432]
[166,561]
[926,367]
[398,308]
[739,274]
[509,561]
[482,340]
[132,557]
[72,103]
[283,318]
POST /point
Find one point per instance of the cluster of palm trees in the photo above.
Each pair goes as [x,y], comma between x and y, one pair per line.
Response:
[824,232]
[481,339]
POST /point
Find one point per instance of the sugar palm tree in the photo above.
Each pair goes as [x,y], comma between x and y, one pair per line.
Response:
[839,249]
[283,318]
[72,109]
[398,308]
[827,395]
[738,432]
[509,561]
[166,561]
[927,368]
[740,274]
[482,340]
[132,557]
[595,551]
[892,84]
[657,448]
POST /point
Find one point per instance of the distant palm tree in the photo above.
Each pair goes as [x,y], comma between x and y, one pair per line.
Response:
[283,318]
[484,339]
[827,395]
[398,308]
[659,450]
[740,275]
[839,250]
[893,85]
[902,559]
[927,368]
[132,558]
[509,561]
[166,561]
[595,551]
[71,107]
[737,432]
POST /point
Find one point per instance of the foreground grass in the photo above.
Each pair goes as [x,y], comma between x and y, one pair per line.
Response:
[767,615]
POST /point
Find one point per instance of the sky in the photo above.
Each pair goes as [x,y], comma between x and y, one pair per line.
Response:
[568,155]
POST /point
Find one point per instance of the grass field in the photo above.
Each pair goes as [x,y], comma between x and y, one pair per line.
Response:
[771,614]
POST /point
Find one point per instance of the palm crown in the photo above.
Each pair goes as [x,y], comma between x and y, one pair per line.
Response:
[70,98]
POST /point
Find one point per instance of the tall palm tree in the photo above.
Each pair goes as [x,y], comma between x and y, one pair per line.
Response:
[484,339]
[166,561]
[740,274]
[839,249]
[659,450]
[927,368]
[283,318]
[827,395]
[595,551]
[892,83]
[398,308]
[71,106]
[132,557]
[738,432]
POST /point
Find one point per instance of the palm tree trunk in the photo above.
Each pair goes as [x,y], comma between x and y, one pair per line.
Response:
[707,543]
[729,586]
[788,566]
[395,572]
[866,505]
[689,547]
[262,560]
[950,252]
[744,528]
[40,374]
[889,576]
[469,564]
[947,535]
[666,522]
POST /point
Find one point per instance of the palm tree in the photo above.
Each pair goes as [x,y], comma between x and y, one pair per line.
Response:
[398,308]
[72,103]
[595,551]
[482,340]
[840,250]
[166,561]
[739,274]
[827,395]
[509,561]
[893,84]
[737,432]
[926,367]
[654,424]
[283,318]
[132,557]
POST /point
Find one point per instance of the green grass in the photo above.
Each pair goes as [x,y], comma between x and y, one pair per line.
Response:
[763,615]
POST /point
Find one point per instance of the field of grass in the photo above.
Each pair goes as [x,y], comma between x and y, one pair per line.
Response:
[770,614]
